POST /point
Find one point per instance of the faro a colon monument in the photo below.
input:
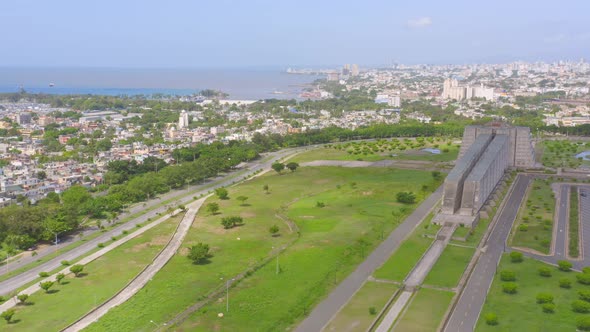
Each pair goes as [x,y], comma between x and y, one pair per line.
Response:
[486,153]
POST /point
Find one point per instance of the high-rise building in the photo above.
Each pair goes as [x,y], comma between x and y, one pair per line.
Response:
[452,90]
[346,69]
[183,120]
[23,118]
[354,70]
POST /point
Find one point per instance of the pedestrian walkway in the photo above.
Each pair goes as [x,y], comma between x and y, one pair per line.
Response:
[146,275]
[394,312]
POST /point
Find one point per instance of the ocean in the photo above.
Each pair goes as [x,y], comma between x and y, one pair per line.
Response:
[238,83]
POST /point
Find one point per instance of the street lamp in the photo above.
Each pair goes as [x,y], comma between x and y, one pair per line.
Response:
[227,293]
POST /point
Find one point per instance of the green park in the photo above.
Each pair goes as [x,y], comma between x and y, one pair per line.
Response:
[301,230]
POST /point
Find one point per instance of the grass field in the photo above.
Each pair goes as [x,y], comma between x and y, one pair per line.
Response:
[103,278]
[534,225]
[358,206]
[355,315]
[520,312]
[574,223]
[402,261]
[563,153]
[400,149]
[425,311]
[450,266]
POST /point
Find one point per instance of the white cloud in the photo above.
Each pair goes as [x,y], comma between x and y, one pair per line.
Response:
[420,22]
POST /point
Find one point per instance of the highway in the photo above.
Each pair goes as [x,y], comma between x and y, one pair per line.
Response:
[468,308]
[9,285]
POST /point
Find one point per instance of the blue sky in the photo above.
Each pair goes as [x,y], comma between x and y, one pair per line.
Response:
[224,33]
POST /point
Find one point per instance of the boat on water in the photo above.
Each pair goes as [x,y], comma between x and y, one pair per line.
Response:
[51,85]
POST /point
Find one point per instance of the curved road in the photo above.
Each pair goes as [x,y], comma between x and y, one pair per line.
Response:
[12,284]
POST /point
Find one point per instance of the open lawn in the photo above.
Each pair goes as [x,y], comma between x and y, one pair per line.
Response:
[340,215]
[102,279]
[425,312]
[355,315]
[402,261]
[534,225]
[401,149]
[520,312]
[561,153]
[449,268]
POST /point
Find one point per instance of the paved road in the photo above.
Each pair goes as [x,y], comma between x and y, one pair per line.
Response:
[10,285]
[561,244]
[146,275]
[466,312]
[324,311]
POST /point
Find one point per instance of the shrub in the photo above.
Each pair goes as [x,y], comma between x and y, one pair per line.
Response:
[583,323]
[406,197]
[100,245]
[544,298]
[509,287]
[523,227]
[586,270]
[372,311]
[43,274]
[491,318]
[583,278]
[545,271]
[516,257]
[565,283]
[580,306]
[507,275]
[584,295]
[65,263]
[564,266]
[548,308]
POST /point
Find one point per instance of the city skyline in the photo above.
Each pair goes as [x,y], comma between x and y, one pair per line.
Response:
[264,33]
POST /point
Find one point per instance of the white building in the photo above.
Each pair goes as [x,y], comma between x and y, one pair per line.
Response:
[183,120]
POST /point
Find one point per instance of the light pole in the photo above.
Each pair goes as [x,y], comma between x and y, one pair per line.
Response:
[227,293]
[151,321]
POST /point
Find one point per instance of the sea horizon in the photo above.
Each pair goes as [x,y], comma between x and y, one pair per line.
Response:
[240,83]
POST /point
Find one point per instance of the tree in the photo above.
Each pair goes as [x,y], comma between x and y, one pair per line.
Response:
[509,287]
[583,323]
[265,188]
[491,318]
[507,275]
[212,208]
[273,230]
[548,308]
[77,269]
[565,283]
[278,167]
[59,277]
[581,306]
[292,166]
[46,285]
[242,200]
[544,298]
[41,175]
[22,298]
[436,175]
[583,278]
[516,257]
[229,222]
[222,193]
[198,253]
[544,271]
[7,315]
[584,295]
[564,265]
[405,197]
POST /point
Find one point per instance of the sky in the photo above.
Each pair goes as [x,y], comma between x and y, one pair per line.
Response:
[298,33]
